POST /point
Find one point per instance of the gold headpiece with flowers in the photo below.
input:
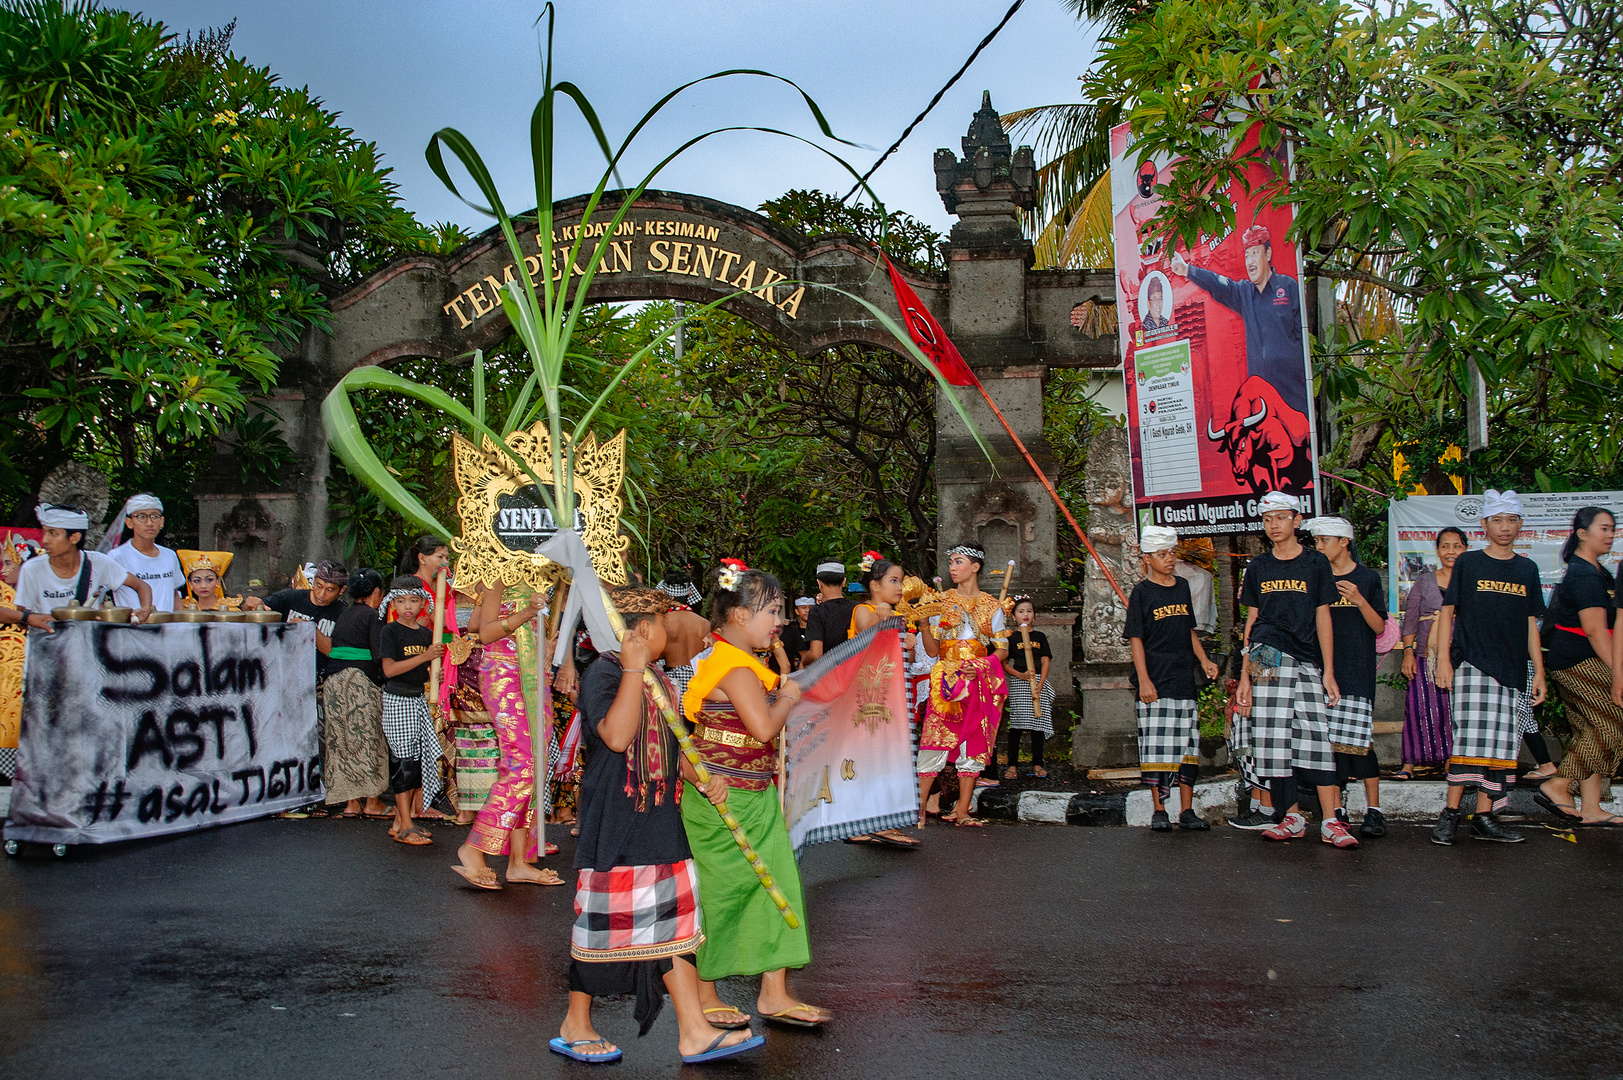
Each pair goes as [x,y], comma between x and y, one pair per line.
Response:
[868,560]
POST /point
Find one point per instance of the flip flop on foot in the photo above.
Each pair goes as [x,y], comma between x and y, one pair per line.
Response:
[809,1016]
[414,837]
[485,880]
[1559,810]
[544,876]
[862,839]
[572,1050]
[964,823]
[727,1018]
[1612,822]
[1040,772]
[893,839]
[718,1051]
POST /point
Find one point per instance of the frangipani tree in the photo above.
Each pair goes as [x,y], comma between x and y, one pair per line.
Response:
[545,313]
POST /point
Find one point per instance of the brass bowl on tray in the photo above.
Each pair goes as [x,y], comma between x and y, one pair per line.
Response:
[158,618]
[191,616]
[264,615]
[115,615]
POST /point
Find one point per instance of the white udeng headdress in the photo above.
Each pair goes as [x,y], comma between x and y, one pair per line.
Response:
[1278,500]
[1330,526]
[1156,538]
[55,517]
[1501,502]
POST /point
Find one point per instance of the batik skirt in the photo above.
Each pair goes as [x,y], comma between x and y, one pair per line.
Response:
[354,753]
[474,735]
[1597,746]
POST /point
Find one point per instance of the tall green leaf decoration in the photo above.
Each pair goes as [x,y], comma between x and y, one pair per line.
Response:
[545,315]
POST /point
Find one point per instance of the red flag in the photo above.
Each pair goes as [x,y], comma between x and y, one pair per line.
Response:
[928,334]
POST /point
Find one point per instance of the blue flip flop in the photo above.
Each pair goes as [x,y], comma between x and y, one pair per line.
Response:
[717,1051]
[567,1049]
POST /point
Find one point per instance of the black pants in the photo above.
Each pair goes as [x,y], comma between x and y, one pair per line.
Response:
[1037,740]
[1356,767]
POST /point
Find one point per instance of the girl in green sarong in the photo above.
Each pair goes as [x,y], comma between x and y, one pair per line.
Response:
[737,706]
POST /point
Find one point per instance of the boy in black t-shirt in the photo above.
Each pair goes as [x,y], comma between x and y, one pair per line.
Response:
[1490,614]
[830,621]
[1161,629]
[1289,674]
[1356,619]
[404,647]
[637,922]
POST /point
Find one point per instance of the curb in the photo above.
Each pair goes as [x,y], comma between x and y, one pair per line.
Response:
[1413,801]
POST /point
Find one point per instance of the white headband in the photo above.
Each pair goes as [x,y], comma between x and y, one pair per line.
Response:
[1330,526]
[805,601]
[1501,502]
[830,568]
[1157,538]
[1278,500]
[54,517]
[141,502]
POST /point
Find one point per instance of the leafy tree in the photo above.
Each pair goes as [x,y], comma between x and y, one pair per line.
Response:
[171,218]
[1456,174]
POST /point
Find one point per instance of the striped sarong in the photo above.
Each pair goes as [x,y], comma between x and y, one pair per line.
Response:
[1287,728]
[1168,736]
[1486,732]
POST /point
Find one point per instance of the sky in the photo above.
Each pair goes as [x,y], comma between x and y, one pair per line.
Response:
[399,70]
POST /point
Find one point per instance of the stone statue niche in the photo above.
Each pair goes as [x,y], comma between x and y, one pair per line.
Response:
[254,537]
[1114,533]
[77,484]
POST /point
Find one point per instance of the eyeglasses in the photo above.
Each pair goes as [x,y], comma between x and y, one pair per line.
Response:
[147,516]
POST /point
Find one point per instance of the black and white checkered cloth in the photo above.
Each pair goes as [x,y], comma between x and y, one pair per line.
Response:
[1168,734]
[1352,725]
[1483,712]
[410,731]
[1288,728]
[1525,724]
[8,761]
[1021,715]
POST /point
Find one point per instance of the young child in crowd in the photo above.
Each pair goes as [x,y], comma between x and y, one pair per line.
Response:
[413,746]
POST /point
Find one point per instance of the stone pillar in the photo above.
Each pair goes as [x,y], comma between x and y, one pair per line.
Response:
[1003,507]
[1108,731]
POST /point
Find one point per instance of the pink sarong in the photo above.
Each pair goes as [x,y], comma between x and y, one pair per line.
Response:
[969,711]
[511,803]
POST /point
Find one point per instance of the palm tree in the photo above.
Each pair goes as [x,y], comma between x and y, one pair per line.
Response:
[1072,218]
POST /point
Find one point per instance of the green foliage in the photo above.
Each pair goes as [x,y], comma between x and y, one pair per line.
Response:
[906,239]
[169,216]
[1455,173]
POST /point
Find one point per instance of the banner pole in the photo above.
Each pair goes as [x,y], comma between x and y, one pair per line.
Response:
[1052,493]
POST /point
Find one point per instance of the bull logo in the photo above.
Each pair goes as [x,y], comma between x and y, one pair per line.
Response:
[1266,440]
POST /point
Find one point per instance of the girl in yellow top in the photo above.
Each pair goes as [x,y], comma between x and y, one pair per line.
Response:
[737,706]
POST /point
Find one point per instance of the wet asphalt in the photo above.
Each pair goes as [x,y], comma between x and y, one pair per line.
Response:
[319,949]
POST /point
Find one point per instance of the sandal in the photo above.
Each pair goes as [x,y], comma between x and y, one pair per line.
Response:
[966,822]
[862,839]
[1559,810]
[347,814]
[552,849]
[785,1017]
[1040,772]
[554,880]
[1403,774]
[477,881]
[414,836]
[740,1024]
[571,1050]
[890,838]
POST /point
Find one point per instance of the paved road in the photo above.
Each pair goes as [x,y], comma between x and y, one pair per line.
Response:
[318,949]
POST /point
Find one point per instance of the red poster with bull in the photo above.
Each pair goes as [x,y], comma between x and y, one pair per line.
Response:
[1214,350]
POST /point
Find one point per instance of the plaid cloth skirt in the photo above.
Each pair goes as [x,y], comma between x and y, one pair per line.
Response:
[1526,724]
[1022,717]
[410,731]
[1287,729]
[1485,726]
[1352,725]
[1168,735]
[636,913]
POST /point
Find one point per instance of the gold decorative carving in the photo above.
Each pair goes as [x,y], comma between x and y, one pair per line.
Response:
[13,642]
[484,475]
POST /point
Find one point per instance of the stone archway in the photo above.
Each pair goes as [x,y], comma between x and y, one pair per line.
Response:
[1011,323]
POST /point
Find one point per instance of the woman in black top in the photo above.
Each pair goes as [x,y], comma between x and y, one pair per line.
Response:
[1580,659]
[354,755]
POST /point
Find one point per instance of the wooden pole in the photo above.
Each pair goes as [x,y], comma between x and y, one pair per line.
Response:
[1031,672]
[1052,493]
[438,645]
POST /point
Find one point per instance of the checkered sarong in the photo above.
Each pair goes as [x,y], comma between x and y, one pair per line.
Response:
[1352,725]
[410,731]
[1022,717]
[636,913]
[1525,724]
[1168,735]
[1287,728]
[1486,733]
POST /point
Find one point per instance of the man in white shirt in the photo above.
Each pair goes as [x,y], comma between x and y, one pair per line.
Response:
[54,581]
[145,558]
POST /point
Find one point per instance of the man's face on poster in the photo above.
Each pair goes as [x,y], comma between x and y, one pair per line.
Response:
[1154,301]
[1259,264]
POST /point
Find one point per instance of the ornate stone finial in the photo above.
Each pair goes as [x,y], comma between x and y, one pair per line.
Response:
[988,161]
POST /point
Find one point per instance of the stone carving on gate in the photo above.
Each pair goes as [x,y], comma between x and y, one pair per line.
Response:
[1114,533]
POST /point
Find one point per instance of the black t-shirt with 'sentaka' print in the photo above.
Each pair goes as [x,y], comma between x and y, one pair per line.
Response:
[1492,601]
[1351,637]
[1161,616]
[1287,594]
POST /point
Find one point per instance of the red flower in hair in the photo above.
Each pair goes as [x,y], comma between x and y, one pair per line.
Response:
[868,559]
[734,564]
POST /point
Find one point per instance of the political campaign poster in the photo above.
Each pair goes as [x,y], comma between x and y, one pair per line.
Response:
[136,731]
[1214,351]
[849,764]
[1412,525]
